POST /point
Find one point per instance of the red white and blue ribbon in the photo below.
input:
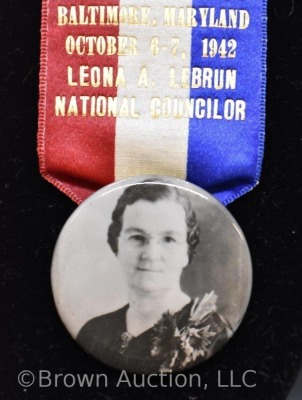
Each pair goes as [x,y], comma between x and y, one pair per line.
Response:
[218,145]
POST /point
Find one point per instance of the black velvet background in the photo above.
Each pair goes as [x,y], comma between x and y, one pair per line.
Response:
[269,340]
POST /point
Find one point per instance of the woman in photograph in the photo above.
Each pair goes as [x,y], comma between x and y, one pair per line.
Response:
[154,233]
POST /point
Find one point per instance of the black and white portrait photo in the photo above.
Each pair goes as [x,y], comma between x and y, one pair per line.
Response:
[151,276]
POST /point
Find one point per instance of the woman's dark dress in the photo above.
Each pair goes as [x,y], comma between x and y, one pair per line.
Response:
[103,337]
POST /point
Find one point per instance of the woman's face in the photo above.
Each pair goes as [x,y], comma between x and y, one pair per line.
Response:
[152,246]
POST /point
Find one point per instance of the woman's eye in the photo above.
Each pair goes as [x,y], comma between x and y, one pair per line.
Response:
[138,239]
[169,239]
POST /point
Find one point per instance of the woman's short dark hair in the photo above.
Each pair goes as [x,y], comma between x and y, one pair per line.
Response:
[153,190]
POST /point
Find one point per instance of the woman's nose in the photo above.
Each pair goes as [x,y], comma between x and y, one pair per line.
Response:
[152,250]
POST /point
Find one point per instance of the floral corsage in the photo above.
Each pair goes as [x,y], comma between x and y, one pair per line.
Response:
[179,347]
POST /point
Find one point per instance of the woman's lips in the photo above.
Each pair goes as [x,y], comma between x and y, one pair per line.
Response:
[148,270]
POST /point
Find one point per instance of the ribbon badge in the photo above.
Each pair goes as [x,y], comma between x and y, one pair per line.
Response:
[166,87]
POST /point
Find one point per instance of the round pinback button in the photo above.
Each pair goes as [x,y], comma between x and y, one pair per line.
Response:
[151,274]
